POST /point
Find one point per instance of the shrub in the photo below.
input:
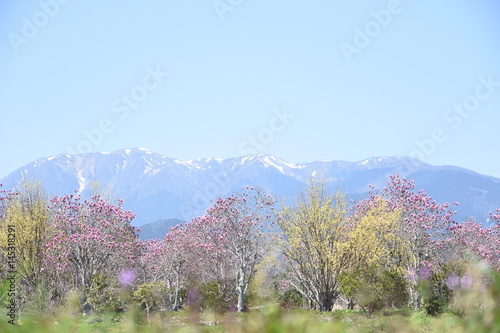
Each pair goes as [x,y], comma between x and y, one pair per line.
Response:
[291,299]
[212,298]
[374,288]
[150,296]
[101,294]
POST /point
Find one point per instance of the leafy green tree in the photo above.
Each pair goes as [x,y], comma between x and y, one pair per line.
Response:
[436,295]
[374,288]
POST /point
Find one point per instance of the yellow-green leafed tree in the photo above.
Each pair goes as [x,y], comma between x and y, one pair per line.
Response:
[375,238]
[314,244]
[27,213]
[375,278]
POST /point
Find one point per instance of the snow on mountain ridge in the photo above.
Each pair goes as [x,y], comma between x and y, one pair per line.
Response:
[155,160]
[155,186]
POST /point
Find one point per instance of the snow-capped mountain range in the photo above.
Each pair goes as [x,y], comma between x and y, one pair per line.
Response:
[158,187]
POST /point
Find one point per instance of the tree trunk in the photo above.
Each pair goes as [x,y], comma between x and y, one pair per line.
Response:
[176,293]
[241,298]
[241,290]
[414,298]
[327,299]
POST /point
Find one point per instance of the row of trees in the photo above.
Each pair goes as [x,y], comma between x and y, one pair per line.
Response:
[379,252]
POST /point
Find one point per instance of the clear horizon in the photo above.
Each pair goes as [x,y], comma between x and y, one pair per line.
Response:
[222,79]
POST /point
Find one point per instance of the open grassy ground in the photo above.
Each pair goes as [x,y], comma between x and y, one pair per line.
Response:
[264,320]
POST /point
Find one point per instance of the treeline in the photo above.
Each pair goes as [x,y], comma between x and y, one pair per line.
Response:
[396,248]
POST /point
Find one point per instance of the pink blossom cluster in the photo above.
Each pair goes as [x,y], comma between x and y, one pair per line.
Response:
[424,221]
[473,238]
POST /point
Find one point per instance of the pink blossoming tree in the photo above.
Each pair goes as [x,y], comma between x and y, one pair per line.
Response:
[89,237]
[235,225]
[423,227]
[225,245]
[472,239]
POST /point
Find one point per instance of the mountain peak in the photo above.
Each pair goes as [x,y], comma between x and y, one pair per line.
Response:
[130,151]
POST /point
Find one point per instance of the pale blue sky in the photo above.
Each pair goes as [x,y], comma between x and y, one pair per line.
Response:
[229,78]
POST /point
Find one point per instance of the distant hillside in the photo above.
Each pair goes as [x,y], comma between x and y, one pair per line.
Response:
[158,229]
[157,187]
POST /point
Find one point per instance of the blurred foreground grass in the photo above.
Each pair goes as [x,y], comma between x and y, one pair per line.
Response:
[474,309]
[271,319]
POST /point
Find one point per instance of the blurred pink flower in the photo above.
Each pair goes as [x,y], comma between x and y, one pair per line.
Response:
[425,272]
[126,277]
[466,281]
[453,282]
